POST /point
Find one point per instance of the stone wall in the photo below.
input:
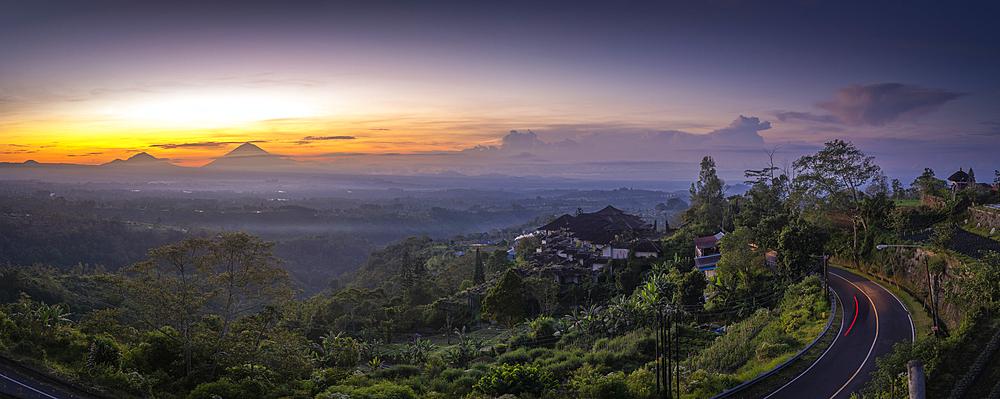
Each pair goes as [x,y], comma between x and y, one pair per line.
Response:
[932,201]
[911,276]
[985,218]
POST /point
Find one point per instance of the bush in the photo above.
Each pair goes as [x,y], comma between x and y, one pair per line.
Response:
[398,371]
[104,352]
[382,390]
[227,389]
[641,384]
[596,386]
[518,356]
[515,380]
[323,378]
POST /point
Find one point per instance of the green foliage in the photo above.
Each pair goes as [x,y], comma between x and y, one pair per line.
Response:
[228,389]
[608,386]
[526,247]
[398,371]
[505,302]
[382,390]
[735,347]
[889,381]
[690,291]
[976,286]
[707,199]
[104,352]
[798,243]
[514,379]
[326,377]
[338,351]
[479,274]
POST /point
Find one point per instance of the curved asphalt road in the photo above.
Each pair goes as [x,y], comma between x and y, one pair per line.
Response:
[874,320]
[16,383]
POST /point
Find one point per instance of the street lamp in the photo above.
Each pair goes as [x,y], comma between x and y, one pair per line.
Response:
[930,285]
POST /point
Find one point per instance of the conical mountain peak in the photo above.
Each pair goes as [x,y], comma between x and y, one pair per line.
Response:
[246,150]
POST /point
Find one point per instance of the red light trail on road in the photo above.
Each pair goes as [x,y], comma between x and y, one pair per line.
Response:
[855,316]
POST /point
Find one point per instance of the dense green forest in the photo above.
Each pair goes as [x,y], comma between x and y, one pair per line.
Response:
[208,314]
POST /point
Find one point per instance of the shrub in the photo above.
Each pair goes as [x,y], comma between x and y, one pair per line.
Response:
[323,378]
[222,389]
[451,374]
[104,352]
[596,386]
[382,390]
[514,379]
[398,371]
[518,356]
[641,384]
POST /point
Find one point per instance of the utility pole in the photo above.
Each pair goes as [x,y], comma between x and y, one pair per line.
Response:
[826,277]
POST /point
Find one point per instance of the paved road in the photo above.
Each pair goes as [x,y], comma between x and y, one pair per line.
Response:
[19,383]
[874,320]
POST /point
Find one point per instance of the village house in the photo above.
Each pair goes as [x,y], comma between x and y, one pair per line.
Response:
[579,247]
[706,254]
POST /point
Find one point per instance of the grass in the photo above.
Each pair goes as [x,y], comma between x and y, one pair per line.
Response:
[907,202]
[767,385]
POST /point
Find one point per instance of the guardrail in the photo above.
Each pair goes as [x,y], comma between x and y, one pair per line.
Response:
[37,375]
[829,322]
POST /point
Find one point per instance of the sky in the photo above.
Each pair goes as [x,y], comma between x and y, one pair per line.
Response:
[634,90]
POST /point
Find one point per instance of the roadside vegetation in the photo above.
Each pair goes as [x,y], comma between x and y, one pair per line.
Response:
[218,314]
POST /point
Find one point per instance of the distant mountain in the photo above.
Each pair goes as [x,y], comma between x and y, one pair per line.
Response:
[249,157]
[141,158]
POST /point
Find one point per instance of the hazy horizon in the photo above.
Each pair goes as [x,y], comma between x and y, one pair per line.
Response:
[588,91]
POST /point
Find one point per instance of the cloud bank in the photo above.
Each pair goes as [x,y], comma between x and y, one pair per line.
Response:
[875,104]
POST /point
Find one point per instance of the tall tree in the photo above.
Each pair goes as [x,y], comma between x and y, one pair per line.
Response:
[505,302]
[835,176]
[479,274]
[167,292]
[926,182]
[707,198]
[248,278]
[690,295]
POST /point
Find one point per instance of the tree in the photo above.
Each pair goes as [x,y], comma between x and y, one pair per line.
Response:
[167,292]
[526,246]
[798,243]
[707,198]
[498,262]
[737,272]
[248,278]
[898,191]
[505,302]
[879,185]
[835,175]
[233,275]
[975,285]
[926,182]
[690,291]
[479,274]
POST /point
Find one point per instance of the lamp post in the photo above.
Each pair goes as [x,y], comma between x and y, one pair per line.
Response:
[930,285]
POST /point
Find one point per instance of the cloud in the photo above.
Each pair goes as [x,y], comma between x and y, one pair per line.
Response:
[784,116]
[876,104]
[992,129]
[742,130]
[522,141]
[378,129]
[85,155]
[317,138]
[203,144]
